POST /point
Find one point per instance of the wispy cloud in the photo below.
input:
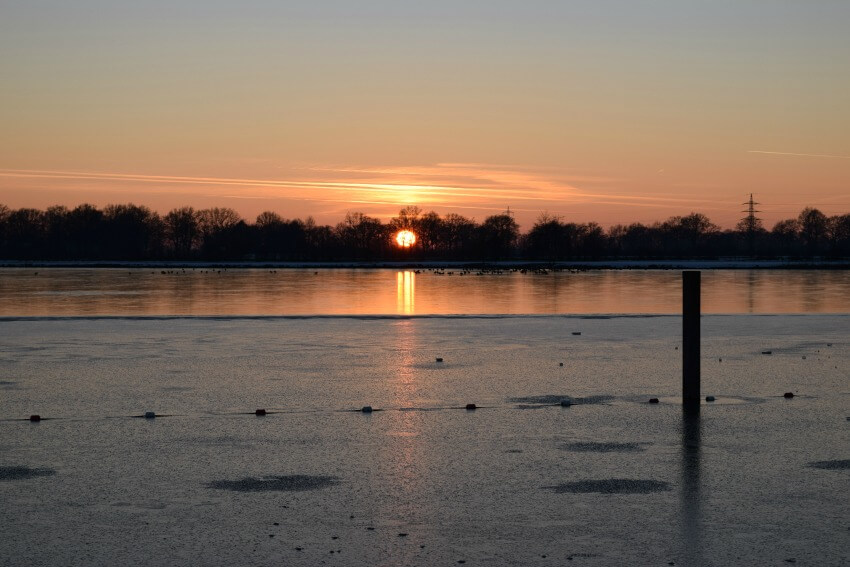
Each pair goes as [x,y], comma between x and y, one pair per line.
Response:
[796,154]
[531,183]
[398,189]
[462,186]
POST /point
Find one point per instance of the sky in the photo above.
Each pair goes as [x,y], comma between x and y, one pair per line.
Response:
[613,111]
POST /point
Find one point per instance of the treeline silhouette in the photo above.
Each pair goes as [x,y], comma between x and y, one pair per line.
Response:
[132,232]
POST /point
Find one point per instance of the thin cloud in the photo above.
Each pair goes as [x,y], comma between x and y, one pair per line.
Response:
[465,186]
[474,174]
[796,154]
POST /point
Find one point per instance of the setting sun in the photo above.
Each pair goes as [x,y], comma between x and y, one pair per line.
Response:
[405,238]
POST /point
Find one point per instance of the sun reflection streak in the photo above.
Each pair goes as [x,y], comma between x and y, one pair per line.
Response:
[406,292]
[404,446]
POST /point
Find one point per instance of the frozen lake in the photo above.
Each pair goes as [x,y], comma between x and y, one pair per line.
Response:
[201,291]
[521,480]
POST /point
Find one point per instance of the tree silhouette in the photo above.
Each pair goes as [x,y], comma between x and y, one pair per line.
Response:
[182,231]
[688,235]
[85,228]
[497,236]
[839,235]
[216,225]
[813,229]
[429,235]
[25,232]
[407,219]
[363,235]
[131,232]
[545,240]
[280,239]
[785,237]
[456,235]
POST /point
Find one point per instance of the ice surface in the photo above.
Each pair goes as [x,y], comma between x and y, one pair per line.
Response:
[466,485]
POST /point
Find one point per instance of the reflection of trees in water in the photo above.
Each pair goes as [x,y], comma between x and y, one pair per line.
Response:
[206,291]
[751,291]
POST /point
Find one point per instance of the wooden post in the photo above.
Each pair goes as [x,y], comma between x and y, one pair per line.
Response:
[690,339]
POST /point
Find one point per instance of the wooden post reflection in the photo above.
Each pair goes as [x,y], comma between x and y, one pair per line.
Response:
[690,496]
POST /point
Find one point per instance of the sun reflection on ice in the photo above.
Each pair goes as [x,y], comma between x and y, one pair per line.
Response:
[404,454]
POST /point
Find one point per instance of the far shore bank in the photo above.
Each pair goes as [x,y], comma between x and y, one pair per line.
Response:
[615,264]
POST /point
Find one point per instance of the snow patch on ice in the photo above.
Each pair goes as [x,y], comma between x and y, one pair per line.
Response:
[836,465]
[551,399]
[23,473]
[611,486]
[291,483]
[606,447]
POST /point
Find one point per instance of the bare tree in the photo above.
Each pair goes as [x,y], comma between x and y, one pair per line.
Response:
[362,233]
[268,218]
[407,219]
[181,230]
[217,219]
[813,228]
[498,234]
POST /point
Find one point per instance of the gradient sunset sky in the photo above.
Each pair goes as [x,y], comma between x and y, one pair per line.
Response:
[613,111]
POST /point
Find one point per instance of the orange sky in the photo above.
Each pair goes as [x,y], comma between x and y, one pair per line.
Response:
[602,111]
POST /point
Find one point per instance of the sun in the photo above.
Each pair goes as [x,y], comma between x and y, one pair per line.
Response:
[405,238]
